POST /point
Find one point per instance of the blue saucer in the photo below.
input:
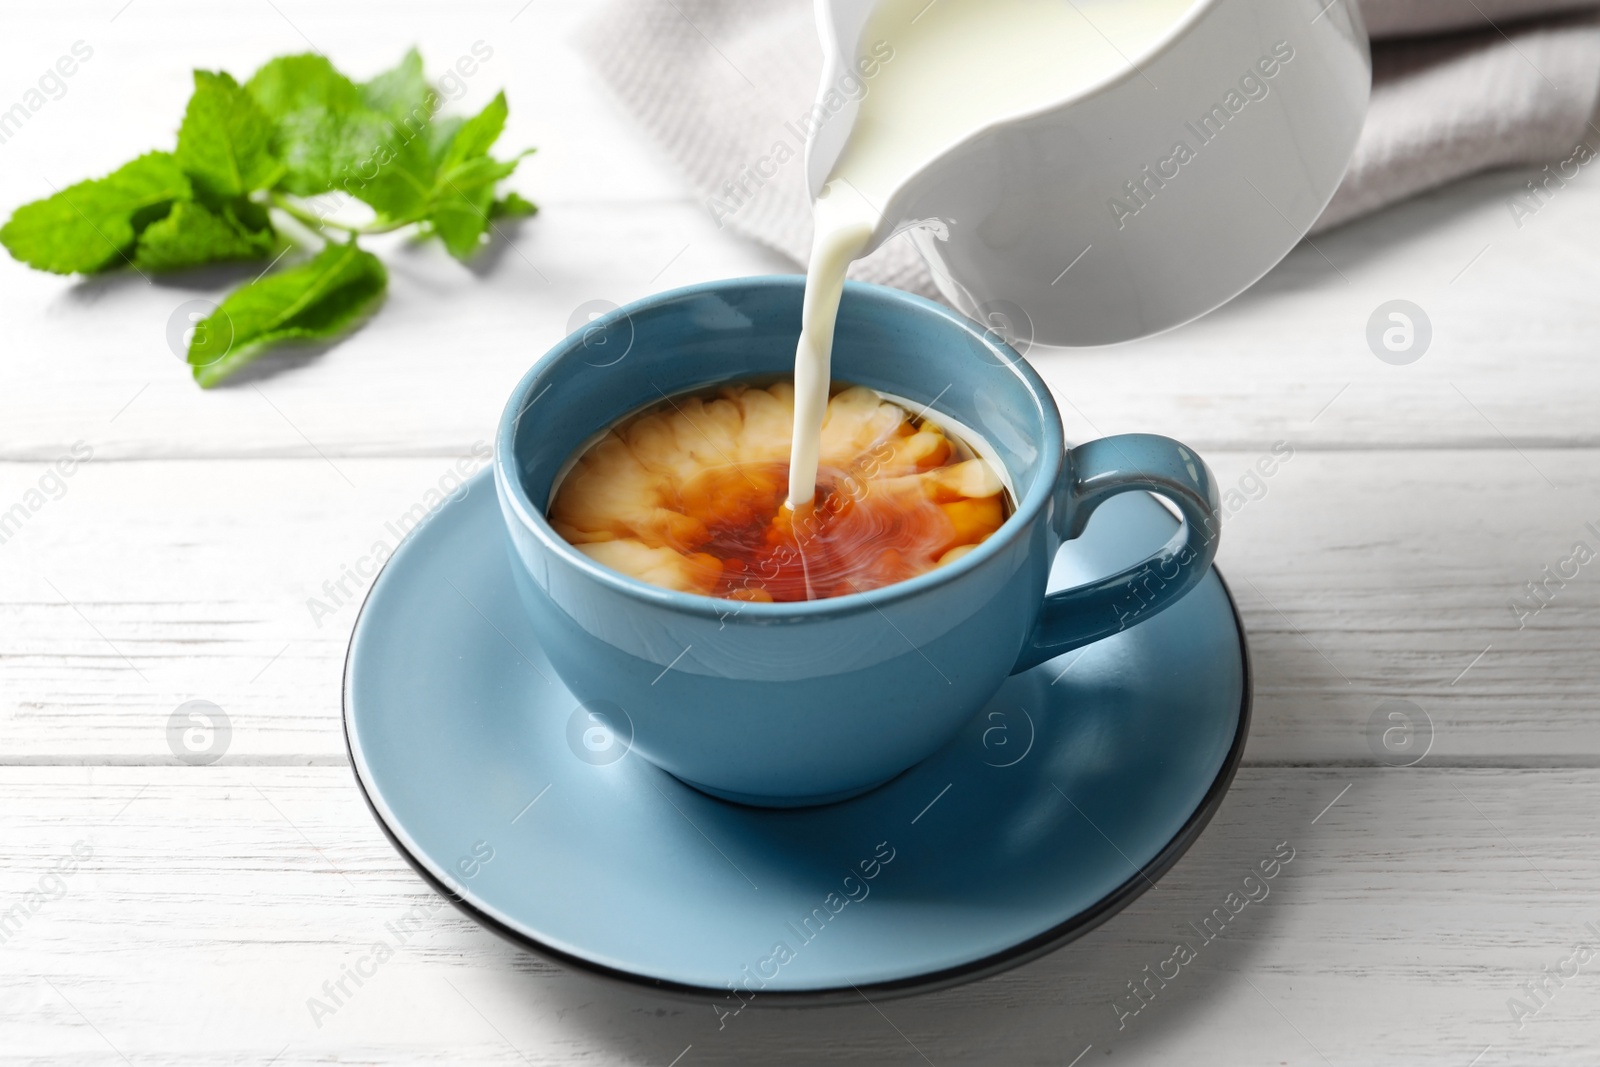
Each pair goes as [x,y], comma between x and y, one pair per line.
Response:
[1079,784]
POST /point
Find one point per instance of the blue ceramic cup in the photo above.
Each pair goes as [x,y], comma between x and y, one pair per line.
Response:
[806,703]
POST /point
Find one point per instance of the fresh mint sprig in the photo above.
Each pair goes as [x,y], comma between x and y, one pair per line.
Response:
[296,132]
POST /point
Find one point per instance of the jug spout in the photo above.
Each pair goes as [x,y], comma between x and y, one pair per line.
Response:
[1161,187]
[840,25]
[851,62]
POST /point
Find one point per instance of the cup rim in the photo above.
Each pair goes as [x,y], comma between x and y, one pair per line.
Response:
[532,518]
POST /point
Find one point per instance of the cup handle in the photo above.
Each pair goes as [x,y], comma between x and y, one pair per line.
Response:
[1093,473]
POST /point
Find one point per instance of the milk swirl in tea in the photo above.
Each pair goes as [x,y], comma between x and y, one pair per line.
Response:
[690,495]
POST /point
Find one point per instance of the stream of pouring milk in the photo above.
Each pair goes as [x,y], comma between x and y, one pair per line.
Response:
[958,66]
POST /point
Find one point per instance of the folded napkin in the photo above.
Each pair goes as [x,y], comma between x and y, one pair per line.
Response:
[1511,91]
[1413,18]
[1459,86]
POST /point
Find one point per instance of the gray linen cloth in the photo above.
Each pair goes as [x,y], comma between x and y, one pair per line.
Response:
[1459,86]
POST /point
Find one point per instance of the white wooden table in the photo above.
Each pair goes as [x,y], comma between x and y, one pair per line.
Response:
[1378,564]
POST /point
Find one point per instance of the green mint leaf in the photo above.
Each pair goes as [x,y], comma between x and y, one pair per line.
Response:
[442,134]
[463,194]
[331,150]
[325,133]
[478,134]
[512,206]
[403,93]
[370,141]
[397,179]
[92,225]
[192,235]
[248,215]
[396,175]
[462,201]
[313,301]
[225,142]
[293,83]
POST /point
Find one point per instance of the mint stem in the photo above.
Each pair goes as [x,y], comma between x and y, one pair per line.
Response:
[295,211]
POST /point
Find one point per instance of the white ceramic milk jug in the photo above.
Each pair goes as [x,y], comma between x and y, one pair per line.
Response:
[1142,200]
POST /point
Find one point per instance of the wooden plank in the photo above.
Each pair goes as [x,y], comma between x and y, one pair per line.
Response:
[1371,576]
[218,901]
[1362,576]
